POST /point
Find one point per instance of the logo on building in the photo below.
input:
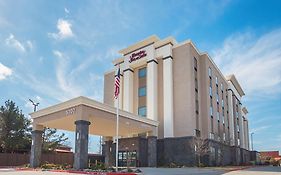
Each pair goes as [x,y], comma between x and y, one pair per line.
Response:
[138,55]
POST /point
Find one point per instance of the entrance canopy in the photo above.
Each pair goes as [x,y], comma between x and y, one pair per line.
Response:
[102,118]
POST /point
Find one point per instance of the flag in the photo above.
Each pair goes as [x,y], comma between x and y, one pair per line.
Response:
[117,84]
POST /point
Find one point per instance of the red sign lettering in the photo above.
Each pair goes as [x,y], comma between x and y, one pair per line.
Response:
[138,55]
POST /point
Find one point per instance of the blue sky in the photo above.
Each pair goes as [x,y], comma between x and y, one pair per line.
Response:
[51,52]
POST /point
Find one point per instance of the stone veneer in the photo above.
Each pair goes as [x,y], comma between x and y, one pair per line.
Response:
[153,152]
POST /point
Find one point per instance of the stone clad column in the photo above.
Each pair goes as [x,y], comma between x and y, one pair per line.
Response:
[36,146]
[128,90]
[107,151]
[168,96]
[81,144]
[152,90]
[152,151]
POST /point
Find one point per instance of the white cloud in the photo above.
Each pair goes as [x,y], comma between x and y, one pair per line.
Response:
[64,81]
[29,44]
[13,42]
[64,27]
[256,62]
[58,54]
[66,10]
[4,72]
[259,129]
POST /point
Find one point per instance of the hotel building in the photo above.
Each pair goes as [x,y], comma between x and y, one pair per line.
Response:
[171,97]
[183,89]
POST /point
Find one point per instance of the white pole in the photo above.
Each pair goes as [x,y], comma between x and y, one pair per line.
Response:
[117,132]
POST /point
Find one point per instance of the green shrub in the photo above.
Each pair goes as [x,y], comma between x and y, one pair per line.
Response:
[49,166]
[172,165]
[98,166]
[55,166]
[129,170]
[202,165]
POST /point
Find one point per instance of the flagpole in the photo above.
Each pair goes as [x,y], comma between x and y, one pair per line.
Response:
[117,133]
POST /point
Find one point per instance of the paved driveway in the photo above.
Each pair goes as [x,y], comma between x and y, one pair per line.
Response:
[269,170]
[13,172]
[180,171]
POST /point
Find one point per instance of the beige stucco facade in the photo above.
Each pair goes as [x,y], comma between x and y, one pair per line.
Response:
[177,91]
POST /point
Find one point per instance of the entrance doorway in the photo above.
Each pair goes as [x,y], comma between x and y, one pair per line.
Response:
[127,158]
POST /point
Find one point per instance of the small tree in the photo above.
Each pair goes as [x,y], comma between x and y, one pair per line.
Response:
[201,148]
[52,140]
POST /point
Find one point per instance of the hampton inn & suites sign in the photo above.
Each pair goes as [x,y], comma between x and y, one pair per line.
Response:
[137,55]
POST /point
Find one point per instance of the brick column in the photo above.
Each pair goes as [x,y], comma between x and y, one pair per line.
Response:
[36,148]
[81,144]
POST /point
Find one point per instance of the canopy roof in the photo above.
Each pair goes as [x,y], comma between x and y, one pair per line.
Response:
[102,118]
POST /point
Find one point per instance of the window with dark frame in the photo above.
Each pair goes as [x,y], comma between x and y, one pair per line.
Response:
[142,91]
[142,72]
[142,111]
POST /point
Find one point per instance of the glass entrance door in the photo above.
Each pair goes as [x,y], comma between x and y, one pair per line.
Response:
[127,158]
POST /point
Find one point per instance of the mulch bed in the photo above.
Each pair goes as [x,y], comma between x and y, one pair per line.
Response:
[77,172]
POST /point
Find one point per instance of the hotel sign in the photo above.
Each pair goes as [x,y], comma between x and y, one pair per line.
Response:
[137,55]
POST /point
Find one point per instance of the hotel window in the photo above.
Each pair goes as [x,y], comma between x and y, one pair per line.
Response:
[210,88]
[212,135]
[224,137]
[197,106]
[212,124]
[142,111]
[142,72]
[211,107]
[218,115]
[195,64]
[210,72]
[196,97]
[196,84]
[216,80]
[223,119]
[197,133]
[142,91]
[211,111]
[221,87]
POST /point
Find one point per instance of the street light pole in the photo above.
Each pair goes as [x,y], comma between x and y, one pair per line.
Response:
[252,141]
[34,104]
